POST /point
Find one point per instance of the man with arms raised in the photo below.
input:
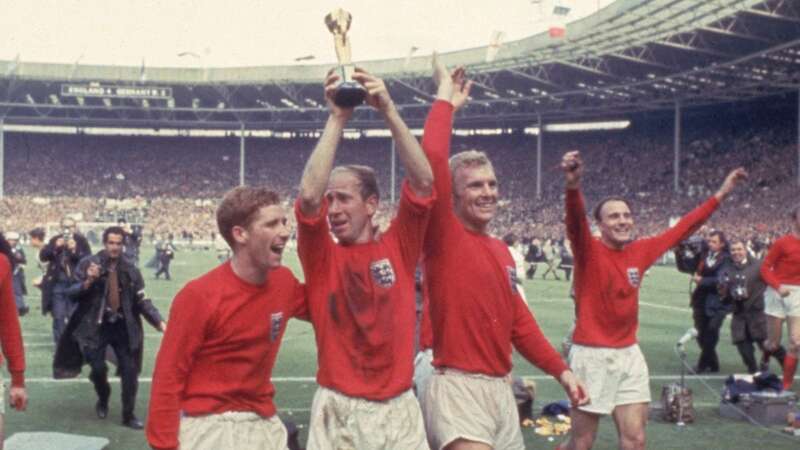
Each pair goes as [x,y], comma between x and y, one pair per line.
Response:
[211,384]
[476,309]
[608,274]
[361,286]
[781,271]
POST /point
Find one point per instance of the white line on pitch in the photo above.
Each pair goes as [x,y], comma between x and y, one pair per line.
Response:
[670,308]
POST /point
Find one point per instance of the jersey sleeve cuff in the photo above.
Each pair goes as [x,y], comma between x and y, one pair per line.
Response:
[311,221]
[18,378]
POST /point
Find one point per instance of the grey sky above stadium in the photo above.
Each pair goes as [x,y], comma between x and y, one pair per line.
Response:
[211,33]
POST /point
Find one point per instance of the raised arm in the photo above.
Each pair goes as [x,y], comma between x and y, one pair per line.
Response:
[418,170]
[452,93]
[578,231]
[320,163]
[658,245]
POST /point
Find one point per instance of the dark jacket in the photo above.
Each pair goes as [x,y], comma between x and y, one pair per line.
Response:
[61,264]
[18,263]
[83,329]
[742,286]
[706,295]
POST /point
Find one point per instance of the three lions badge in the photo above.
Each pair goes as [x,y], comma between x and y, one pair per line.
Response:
[633,277]
[382,273]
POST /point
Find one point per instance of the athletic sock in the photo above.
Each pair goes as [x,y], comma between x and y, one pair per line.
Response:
[789,368]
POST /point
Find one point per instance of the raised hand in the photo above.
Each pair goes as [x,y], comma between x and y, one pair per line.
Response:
[734,177]
[461,88]
[572,165]
[331,82]
[377,95]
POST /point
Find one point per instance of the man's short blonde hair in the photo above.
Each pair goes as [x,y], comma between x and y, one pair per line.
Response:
[468,158]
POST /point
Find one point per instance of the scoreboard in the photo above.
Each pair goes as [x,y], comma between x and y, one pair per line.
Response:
[111,91]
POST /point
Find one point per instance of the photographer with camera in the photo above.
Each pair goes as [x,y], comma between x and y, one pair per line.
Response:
[165,252]
[740,284]
[62,253]
[708,310]
[110,294]
[131,241]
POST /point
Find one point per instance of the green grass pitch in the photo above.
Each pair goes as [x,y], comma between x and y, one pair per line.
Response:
[664,317]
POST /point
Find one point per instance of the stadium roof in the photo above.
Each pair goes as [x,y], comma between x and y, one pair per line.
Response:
[632,56]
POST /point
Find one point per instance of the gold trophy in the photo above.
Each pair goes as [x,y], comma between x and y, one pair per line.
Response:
[349,93]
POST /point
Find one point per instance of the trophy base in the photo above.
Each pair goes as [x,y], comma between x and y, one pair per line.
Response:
[349,93]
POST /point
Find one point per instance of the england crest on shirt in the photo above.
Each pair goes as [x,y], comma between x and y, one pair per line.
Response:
[275,320]
[633,277]
[512,278]
[382,273]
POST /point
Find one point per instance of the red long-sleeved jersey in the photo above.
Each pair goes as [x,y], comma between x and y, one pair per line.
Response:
[361,300]
[219,349]
[782,263]
[10,333]
[607,281]
[476,311]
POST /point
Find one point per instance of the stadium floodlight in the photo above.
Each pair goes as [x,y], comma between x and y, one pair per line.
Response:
[351,134]
[54,99]
[377,132]
[195,103]
[107,102]
[29,99]
[587,126]
[221,105]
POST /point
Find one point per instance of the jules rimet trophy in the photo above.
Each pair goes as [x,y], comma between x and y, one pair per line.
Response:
[349,93]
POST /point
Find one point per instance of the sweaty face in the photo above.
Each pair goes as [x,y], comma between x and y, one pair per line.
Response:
[738,252]
[714,243]
[266,236]
[349,214]
[475,196]
[113,245]
[616,223]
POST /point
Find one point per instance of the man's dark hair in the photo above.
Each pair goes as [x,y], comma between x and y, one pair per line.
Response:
[112,230]
[122,220]
[366,177]
[721,235]
[37,233]
[613,198]
[239,207]
[737,240]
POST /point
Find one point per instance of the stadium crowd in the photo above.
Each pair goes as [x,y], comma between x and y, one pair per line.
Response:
[172,185]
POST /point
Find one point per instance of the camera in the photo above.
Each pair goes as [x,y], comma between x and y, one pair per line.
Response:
[688,254]
[99,262]
[735,284]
